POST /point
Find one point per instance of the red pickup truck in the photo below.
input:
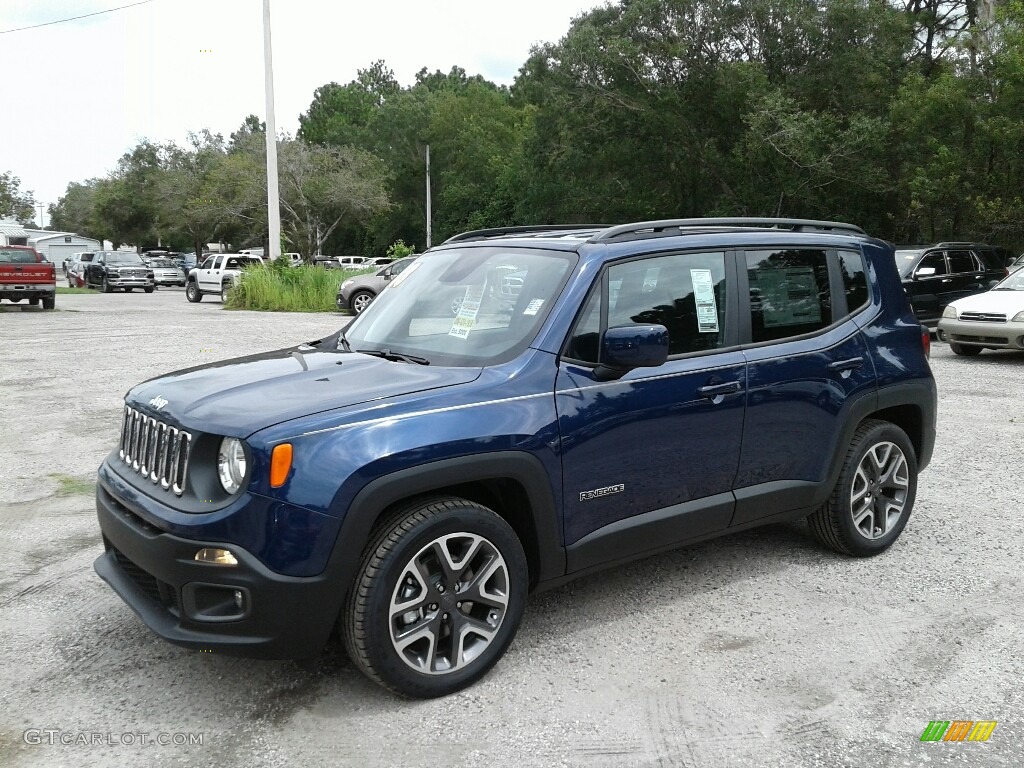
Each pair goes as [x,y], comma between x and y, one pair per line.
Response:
[25,274]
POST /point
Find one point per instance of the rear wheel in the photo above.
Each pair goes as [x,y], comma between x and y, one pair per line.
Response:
[128,290]
[192,292]
[437,599]
[50,302]
[874,496]
[33,302]
[965,350]
[225,289]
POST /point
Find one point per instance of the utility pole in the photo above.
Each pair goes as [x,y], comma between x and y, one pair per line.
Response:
[273,194]
[428,196]
[42,221]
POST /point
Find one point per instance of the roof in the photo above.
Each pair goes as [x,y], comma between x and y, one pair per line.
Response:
[12,230]
[51,235]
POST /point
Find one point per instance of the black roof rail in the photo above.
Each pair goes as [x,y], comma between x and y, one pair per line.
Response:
[665,227]
[483,234]
[956,244]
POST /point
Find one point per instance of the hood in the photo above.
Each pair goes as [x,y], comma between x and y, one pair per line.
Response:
[241,396]
[1007,303]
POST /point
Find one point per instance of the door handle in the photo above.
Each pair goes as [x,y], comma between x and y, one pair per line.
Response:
[716,390]
[844,366]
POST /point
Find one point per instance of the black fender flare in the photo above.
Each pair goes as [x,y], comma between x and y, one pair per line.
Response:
[381,493]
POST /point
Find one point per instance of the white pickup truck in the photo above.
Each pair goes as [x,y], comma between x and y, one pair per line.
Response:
[216,274]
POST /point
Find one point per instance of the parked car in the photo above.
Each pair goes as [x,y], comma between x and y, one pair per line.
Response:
[991,320]
[25,274]
[356,293]
[166,272]
[1016,264]
[935,275]
[74,257]
[76,268]
[406,481]
[217,274]
[327,262]
[118,271]
[351,262]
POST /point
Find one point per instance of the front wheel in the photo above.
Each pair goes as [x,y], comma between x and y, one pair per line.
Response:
[106,285]
[437,599]
[192,292]
[964,350]
[874,496]
[361,300]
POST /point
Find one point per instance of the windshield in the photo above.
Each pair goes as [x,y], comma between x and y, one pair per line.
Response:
[463,307]
[1014,282]
[163,263]
[117,257]
[905,260]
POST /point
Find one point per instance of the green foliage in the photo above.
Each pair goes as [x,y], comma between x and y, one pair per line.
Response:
[291,289]
[15,204]
[399,250]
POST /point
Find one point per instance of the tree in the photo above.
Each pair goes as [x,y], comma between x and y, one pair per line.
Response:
[15,204]
[75,211]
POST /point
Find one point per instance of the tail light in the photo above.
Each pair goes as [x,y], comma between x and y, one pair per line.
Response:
[926,341]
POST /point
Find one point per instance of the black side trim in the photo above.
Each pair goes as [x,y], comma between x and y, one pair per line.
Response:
[634,536]
[777,497]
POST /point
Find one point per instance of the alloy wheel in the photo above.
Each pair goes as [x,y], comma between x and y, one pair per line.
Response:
[449,603]
[879,492]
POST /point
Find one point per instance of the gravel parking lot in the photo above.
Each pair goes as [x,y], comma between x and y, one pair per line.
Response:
[756,649]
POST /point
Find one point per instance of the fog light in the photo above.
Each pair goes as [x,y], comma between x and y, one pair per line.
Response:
[216,557]
[239,600]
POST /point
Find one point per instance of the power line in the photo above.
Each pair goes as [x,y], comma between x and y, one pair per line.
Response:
[75,18]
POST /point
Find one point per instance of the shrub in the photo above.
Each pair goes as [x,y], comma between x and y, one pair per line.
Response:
[268,288]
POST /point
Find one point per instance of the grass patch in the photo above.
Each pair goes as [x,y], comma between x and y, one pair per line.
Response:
[76,290]
[295,289]
[73,486]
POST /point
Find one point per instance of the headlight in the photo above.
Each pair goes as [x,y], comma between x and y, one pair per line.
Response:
[231,464]
[1018,318]
[949,312]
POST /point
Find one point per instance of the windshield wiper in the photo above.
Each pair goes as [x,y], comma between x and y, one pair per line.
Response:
[387,354]
[344,342]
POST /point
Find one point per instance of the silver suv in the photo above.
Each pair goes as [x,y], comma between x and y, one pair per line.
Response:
[356,293]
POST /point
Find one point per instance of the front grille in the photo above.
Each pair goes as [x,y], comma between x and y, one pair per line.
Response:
[979,339]
[982,317]
[132,273]
[158,591]
[155,449]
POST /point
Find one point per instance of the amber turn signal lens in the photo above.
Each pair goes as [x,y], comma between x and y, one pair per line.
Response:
[280,464]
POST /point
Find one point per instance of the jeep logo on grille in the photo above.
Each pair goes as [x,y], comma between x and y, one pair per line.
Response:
[158,402]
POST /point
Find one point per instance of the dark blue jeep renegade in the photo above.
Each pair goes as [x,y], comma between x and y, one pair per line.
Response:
[518,408]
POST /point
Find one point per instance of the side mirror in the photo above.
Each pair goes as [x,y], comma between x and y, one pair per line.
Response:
[925,272]
[626,347]
[388,275]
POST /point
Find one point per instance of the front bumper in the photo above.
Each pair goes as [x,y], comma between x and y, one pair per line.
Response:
[1007,335]
[191,604]
[342,302]
[131,282]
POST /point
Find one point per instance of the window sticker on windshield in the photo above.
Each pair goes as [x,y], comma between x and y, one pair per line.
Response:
[404,274]
[704,295]
[533,307]
[468,310]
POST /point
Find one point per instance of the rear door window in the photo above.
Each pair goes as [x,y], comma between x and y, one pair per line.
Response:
[789,293]
[961,261]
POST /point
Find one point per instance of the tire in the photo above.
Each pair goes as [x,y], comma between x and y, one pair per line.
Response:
[50,302]
[128,290]
[71,283]
[225,289]
[33,302]
[880,469]
[409,543]
[192,292]
[964,351]
[360,300]
[149,290]
[106,286]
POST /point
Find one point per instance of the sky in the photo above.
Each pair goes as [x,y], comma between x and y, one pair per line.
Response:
[77,95]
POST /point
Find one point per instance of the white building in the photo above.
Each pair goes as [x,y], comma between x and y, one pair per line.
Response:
[54,246]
